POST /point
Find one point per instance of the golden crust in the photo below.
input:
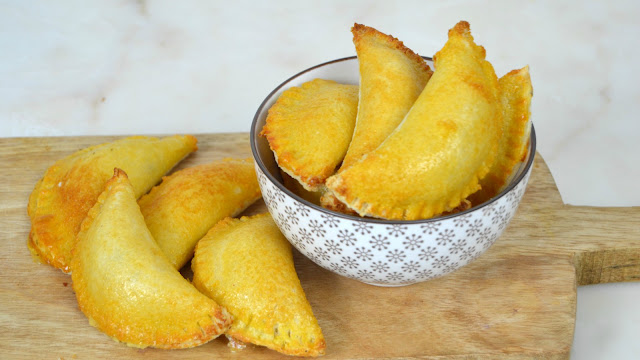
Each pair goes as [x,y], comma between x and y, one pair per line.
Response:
[309,129]
[515,96]
[181,210]
[71,186]
[464,205]
[247,266]
[446,143]
[362,33]
[391,79]
[126,286]
[331,202]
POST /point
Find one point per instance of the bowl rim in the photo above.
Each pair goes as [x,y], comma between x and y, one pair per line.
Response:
[258,159]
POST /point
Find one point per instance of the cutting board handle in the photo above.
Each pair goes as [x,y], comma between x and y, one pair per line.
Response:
[604,242]
[607,243]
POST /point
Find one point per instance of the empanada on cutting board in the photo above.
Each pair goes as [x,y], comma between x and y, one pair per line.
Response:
[187,203]
[126,286]
[246,265]
[517,301]
[309,129]
[515,96]
[70,187]
[446,143]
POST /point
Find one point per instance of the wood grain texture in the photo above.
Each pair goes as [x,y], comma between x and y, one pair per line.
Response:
[516,301]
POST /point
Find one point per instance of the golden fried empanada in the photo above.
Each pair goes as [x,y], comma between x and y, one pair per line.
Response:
[181,210]
[391,79]
[246,265]
[446,143]
[70,187]
[126,286]
[309,129]
[515,95]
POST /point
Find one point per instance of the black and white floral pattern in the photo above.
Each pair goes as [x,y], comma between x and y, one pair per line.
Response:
[386,253]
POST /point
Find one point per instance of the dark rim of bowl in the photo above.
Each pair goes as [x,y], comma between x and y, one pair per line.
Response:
[256,155]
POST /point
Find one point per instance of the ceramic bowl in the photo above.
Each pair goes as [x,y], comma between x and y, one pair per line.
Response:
[375,251]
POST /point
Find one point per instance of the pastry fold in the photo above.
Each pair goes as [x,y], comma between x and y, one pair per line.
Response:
[309,129]
[70,187]
[515,97]
[126,286]
[246,265]
[180,210]
[448,141]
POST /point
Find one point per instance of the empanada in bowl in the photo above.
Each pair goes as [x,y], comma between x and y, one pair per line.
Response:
[391,79]
[70,187]
[246,265]
[448,141]
[126,286]
[309,129]
[515,96]
[181,209]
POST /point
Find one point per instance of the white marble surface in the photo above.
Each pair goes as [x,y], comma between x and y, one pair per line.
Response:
[105,67]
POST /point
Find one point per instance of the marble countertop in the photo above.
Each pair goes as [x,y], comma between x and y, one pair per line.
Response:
[150,67]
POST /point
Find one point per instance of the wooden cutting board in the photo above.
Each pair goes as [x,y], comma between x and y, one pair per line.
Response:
[516,301]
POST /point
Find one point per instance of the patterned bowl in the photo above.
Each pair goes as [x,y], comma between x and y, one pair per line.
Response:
[374,251]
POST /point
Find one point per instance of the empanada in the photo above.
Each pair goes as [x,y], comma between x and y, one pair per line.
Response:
[126,286]
[446,143]
[181,210]
[246,265]
[515,96]
[309,129]
[70,187]
[391,79]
